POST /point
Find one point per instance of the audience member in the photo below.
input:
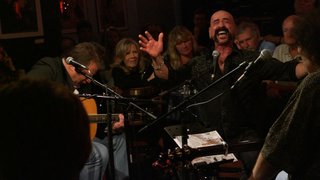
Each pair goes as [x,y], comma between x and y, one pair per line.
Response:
[289,49]
[301,7]
[182,47]
[44,133]
[200,28]
[134,77]
[295,133]
[130,70]
[248,37]
[238,114]
[57,69]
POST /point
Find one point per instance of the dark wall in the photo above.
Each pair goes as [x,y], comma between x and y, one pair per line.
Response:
[269,14]
[160,12]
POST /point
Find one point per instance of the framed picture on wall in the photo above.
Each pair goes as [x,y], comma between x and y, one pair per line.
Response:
[112,13]
[72,11]
[20,19]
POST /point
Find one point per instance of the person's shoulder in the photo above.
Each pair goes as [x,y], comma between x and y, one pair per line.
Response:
[310,86]
[50,60]
[46,68]
[239,56]
[267,45]
[200,63]
[117,70]
[201,58]
[282,47]
[313,79]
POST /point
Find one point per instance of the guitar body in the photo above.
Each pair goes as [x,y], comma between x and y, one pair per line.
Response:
[91,107]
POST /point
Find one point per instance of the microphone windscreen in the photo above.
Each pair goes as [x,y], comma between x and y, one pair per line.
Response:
[215,54]
[265,54]
[69,60]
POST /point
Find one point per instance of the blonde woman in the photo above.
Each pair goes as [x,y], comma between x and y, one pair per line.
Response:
[130,70]
[182,47]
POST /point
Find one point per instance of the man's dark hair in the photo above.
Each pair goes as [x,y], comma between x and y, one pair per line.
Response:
[307,32]
[86,52]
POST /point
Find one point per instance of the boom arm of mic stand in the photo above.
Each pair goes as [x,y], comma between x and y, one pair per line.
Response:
[187,99]
[118,96]
[174,88]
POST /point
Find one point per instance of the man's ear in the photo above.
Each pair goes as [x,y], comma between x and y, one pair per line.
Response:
[69,68]
[72,68]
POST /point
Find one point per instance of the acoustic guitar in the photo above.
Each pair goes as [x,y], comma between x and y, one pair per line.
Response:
[90,106]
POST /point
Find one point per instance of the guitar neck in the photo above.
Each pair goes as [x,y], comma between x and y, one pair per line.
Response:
[102,118]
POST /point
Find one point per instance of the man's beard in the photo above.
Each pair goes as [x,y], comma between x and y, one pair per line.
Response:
[222,30]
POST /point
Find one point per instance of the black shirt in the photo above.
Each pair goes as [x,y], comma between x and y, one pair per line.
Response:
[242,111]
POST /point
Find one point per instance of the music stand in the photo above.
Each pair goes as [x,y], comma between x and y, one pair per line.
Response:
[203,158]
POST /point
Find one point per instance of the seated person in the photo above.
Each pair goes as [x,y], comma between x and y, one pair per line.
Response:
[130,69]
[182,47]
[296,131]
[58,70]
[289,49]
[248,37]
[41,136]
[301,7]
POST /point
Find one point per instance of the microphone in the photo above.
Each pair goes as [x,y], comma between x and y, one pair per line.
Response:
[76,64]
[215,56]
[264,54]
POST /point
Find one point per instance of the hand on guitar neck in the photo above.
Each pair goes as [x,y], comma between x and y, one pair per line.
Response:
[118,125]
[94,118]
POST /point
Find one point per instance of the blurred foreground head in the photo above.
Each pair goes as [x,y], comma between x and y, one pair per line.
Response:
[44,132]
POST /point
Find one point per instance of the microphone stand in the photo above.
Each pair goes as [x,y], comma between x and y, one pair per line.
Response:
[109,123]
[174,88]
[118,96]
[184,130]
[189,98]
